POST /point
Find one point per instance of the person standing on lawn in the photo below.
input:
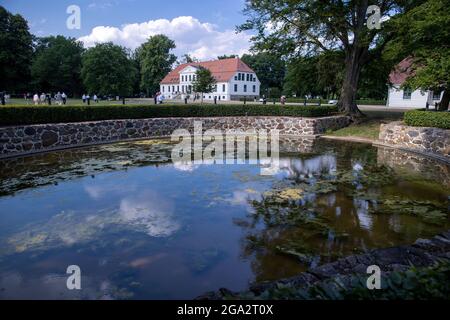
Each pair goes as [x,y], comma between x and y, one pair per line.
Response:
[36,99]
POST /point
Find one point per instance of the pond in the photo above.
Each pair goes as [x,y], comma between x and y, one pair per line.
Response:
[141,227]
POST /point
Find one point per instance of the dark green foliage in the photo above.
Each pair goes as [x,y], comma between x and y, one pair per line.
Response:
[204,82]
[225,56]
[155,61]
[269,68]
[422,118]
[16,51]
[424,34]
[305,28]
[57,65]
[56,114]
[107,69]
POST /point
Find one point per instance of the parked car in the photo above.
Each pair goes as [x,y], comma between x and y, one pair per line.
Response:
[333,102]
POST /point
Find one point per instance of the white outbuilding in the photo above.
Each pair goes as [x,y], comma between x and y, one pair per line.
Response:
[399,97]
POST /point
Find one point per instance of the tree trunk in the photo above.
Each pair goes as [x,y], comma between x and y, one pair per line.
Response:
[347,100]
[443,106]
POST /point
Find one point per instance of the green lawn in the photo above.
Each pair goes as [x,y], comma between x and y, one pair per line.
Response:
[368,127]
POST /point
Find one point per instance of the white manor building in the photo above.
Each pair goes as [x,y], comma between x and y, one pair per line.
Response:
[234,81]
[406,98]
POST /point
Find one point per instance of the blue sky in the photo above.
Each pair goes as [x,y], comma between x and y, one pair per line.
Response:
[203,28]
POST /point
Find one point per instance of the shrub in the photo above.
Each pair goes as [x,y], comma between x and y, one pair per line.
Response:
[422,118]
[19,115]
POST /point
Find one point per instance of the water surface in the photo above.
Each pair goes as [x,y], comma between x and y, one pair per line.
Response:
[140,227]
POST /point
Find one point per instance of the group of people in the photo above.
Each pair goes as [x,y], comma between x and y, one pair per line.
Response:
[87,98]
[159,98]
[60,98]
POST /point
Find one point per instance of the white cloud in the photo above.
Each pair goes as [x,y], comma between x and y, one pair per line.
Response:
[200,39]
[151,211]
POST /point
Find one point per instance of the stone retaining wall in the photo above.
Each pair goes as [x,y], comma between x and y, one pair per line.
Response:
[22,140]
[429,140]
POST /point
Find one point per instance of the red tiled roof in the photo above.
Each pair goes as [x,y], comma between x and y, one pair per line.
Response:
[401,71]
[222,70]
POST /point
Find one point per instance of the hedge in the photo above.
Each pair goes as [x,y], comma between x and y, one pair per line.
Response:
[19,115]
[423,118]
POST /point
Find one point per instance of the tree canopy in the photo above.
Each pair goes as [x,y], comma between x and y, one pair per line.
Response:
[423,34]
[303,27]
[107,69]
[155,60]
[204,81]
[57,65]
[16,50]
[269,68]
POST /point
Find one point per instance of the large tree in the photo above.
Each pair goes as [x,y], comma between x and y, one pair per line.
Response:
[57,65]
[16,51]
[155,60]
[299,27]
[423,34]
[107,69]
[269,68]
[204,82]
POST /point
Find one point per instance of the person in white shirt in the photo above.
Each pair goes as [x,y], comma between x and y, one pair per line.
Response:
[36,99]
[58,98]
